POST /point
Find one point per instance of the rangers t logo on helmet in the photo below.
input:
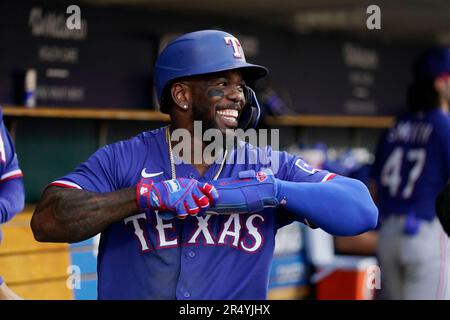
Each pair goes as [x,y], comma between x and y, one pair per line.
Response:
[237,51]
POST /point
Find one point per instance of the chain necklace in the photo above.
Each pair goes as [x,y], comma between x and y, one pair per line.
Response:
[172,162]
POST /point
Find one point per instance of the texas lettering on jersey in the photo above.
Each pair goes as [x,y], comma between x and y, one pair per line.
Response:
[237,231]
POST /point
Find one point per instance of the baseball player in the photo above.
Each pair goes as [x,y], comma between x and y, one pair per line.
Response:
[412,166]
[175,230]
[12,195]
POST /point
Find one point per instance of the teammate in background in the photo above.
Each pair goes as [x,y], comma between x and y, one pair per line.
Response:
[157,240]
[443,208]
[412,165]
[12,195]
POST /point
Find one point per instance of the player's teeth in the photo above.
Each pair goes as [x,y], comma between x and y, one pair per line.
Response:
[228,113]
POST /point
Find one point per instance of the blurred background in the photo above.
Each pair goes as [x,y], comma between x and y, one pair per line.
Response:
[338,76]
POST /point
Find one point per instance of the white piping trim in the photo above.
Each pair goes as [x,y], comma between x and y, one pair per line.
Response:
[67,183]
[326,177]
[11,173]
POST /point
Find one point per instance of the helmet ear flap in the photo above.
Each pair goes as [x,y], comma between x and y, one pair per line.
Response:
[251,111]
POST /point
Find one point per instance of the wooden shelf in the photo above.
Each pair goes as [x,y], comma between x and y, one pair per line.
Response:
[378,122]
[80,113]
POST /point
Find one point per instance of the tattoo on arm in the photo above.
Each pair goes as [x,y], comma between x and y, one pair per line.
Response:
[71,215]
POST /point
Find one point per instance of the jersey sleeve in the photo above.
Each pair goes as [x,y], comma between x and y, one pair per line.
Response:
[8,157]
[12,198]
[11,185]
[100,173]
[296,169]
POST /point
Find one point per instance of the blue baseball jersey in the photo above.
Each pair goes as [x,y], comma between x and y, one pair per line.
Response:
[413,164]
[9,165]
[9,169]
[209,257]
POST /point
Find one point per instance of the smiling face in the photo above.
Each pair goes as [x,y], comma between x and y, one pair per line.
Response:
[218,99]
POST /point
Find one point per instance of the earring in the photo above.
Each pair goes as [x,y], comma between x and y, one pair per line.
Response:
[185,107]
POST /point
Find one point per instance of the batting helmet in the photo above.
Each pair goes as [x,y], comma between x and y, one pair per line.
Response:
[203,52]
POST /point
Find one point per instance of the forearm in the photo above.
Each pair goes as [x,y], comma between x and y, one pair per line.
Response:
[72,215]
[341,207]
[11,199]
[363,244]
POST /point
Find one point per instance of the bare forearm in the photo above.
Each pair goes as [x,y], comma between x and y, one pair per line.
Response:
[363,244]
[72,215]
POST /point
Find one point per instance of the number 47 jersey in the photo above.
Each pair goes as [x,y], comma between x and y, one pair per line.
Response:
[413,164]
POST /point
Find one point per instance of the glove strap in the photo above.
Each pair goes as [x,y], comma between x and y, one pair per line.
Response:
[253,200]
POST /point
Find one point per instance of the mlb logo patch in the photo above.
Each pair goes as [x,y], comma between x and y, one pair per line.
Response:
[261,176]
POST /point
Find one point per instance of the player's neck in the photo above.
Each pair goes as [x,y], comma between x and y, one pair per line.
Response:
[195,137]
[200,159]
